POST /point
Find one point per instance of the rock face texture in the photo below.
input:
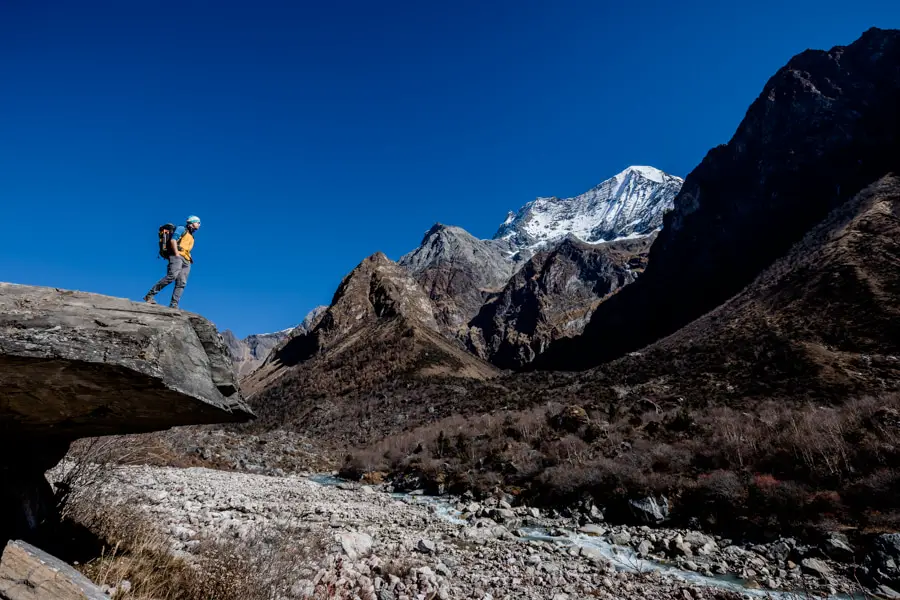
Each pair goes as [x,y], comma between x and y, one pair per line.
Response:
[75,365]
[28,573]
[823,322]
[824,127]
[379,332]
[552,297]
[457,271]
[630,204]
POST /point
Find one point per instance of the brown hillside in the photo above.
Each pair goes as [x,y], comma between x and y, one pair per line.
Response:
[378,334]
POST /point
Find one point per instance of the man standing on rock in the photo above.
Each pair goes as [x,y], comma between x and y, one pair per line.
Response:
[179,254]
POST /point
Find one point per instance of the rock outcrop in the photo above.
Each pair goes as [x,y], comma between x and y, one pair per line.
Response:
[74,364]
[825,126]
[29,573]
[458,271]
[552,296]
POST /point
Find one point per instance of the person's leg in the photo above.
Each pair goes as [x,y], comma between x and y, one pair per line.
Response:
[180,282]
[171,273]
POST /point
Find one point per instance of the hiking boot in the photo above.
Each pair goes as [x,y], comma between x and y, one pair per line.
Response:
[149,299]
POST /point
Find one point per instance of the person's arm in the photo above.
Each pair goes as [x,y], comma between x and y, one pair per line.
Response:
[173,241]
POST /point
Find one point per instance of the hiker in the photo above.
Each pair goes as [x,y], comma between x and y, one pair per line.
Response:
[176,244]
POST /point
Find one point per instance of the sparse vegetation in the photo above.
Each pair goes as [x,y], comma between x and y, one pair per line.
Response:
[776,469]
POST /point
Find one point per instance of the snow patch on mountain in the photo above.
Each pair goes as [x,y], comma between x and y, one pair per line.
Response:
[631,204]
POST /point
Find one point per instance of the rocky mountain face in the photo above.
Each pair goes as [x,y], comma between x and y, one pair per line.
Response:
[552,296]
[457,271]
[379,332]
[822,322]
[250,352]
[630,204]
[824,127]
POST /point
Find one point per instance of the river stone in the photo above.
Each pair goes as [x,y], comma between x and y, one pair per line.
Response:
[592,553]
[621,538]
[426,546]
[814,566]
[592,530]
[354,544]
[837,547]
[695,538]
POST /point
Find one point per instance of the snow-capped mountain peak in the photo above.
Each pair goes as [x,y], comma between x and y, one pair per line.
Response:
[629,204]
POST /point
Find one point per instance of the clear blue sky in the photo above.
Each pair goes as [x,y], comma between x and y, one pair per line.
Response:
[308,135]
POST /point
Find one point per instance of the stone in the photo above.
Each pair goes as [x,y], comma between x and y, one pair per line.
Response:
[426,546]
[503,515]
[27,573]
[888,544]
[354,544]
[695,538]
[644,548]
[570,418]
[592,553]
[650,510]
[814,566]
[837,547]
[887,592]
[386,594]
[682,549]
[592,530]
[108,366]
[621,538]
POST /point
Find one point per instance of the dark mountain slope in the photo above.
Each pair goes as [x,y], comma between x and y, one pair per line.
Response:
[824,127]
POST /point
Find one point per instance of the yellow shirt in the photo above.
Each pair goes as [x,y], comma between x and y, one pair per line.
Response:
[185,245]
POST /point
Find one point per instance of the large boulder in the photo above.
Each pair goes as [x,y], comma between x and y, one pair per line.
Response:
[74,364]
[28,573]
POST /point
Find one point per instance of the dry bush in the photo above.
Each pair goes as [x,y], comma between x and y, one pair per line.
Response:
[89,463]
[260,567]
[826,465]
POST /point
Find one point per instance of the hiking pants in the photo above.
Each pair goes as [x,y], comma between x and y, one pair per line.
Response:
[178,271]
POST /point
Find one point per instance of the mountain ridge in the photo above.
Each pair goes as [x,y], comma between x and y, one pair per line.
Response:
[629,204]
[824,127]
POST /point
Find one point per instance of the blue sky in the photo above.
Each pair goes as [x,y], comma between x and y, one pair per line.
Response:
[310,135]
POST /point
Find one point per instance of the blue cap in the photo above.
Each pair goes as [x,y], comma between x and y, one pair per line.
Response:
[193,219]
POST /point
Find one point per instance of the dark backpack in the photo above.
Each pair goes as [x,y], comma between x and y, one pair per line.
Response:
[165,234]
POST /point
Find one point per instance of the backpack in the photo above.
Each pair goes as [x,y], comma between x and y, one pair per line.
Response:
[165,234]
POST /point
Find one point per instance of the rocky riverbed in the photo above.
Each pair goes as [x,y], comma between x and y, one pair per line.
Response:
[391,547]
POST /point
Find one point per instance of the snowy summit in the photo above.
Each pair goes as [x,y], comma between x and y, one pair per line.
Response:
[630,204]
